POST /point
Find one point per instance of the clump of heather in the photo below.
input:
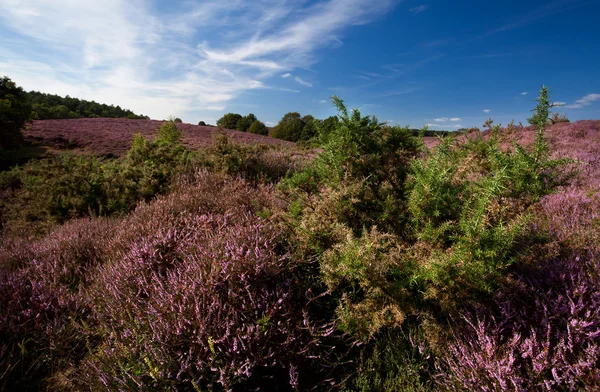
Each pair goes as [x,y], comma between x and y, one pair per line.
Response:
[210,302]
[43,310]
[545,335]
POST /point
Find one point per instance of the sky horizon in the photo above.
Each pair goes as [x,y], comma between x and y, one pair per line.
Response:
[436,63]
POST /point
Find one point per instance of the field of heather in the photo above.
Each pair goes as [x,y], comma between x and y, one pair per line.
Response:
[182,259]
[113,136]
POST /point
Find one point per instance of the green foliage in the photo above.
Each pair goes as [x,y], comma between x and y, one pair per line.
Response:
[395,363]
[177,120]
[49,106]
[14,112]
[169,134]
[53,190]
[244,123]
[202,123]
[259,128]
[253,162]
[289,127]
[229,120]
[400,236]
[542,111]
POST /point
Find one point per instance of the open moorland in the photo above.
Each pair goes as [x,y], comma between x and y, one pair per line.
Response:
[106,136]
[169,257]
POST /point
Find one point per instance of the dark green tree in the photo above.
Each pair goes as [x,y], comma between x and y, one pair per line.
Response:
[259,128]
[178,120]
[229,120]
[245,122]
[14,112]
[311,126]
[202,123]
[289,127]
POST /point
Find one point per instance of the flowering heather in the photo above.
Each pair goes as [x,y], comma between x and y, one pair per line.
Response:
[546,335]
[41,301]
[112,136]
[207,302]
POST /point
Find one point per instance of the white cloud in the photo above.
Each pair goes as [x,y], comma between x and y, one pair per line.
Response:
[524,93]
[302,82]
[457,126]
[559,103]
[446,119]
[269,124]
[286,75]
[419,9]
[487,110]
[434,125]
[585,101]
[322,101]
[125,53]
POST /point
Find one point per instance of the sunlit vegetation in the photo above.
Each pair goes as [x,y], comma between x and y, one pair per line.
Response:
[371,263]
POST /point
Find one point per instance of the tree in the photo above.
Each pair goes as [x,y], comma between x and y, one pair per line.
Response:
[289,127]
[229,120]
[15,110]
[310,129]
[202,123]
[245,122]
[177,120]
[259,128]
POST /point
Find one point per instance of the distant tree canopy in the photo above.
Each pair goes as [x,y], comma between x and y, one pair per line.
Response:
[245,122]
[259,128]
[202,123]
[229,120]
[50,106]
[15,110]
[289,127]
[178,120]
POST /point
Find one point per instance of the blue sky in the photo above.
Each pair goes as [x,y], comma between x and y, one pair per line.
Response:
[447,64]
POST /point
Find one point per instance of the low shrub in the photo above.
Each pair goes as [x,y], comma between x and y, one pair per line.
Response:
[44,323]
[545,335]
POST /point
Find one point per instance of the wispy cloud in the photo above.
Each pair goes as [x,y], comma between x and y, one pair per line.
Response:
[455,119]
[541,12]
[127,53]
[585,101]
[286,75]
[558,103]
[524,93]
[302,81]
[420,8]
[487,110]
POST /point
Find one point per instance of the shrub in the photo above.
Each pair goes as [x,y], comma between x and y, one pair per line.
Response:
[53,190]
[202,123]
[203,300]
[559,118]
[545,338]
[253,162]
[43,322]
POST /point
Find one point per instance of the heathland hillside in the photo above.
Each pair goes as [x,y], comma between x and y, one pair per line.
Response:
[108,136]
[377,261]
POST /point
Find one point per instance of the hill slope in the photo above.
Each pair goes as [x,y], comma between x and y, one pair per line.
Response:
[108,136]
